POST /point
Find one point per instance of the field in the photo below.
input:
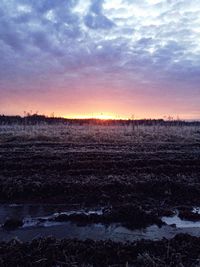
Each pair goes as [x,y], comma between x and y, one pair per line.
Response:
[135,173]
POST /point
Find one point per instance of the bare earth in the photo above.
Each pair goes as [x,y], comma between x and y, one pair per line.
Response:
[144,170]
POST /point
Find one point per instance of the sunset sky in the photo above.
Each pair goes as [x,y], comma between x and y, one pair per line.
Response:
[91,58]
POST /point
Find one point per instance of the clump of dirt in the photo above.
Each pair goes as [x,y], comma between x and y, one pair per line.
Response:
[188,214]
[12,224]
[128,215]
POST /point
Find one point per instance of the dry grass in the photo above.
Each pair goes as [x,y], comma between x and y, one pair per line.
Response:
[99,134]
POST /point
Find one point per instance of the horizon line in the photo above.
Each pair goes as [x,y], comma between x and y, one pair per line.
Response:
[165,118]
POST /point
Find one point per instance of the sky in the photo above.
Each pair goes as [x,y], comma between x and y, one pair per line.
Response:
[93,58]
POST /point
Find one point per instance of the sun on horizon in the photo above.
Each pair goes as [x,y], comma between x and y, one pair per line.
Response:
[99,116]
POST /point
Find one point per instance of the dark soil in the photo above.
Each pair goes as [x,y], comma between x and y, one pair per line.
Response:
[12,224]
[146,174]
[140,182]
[183,250]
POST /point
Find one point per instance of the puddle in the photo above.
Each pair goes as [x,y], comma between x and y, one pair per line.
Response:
[182,223]
[47,221]
[20,211]
[37,223]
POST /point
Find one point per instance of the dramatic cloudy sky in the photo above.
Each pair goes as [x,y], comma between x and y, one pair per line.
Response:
[87,57]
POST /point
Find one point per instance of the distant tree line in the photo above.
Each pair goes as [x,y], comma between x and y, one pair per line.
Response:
[36,119]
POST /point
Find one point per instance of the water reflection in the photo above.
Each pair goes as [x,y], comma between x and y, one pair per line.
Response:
[37,223]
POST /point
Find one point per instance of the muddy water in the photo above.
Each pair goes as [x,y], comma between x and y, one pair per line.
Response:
[34,227]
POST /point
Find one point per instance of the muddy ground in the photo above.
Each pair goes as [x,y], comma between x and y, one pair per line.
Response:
[148,179]
[182,250]
[157,174]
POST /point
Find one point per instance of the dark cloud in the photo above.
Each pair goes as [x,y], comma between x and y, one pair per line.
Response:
[96,6]
[94,21]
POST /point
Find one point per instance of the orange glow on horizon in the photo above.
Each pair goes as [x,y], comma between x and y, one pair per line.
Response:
[98,116]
